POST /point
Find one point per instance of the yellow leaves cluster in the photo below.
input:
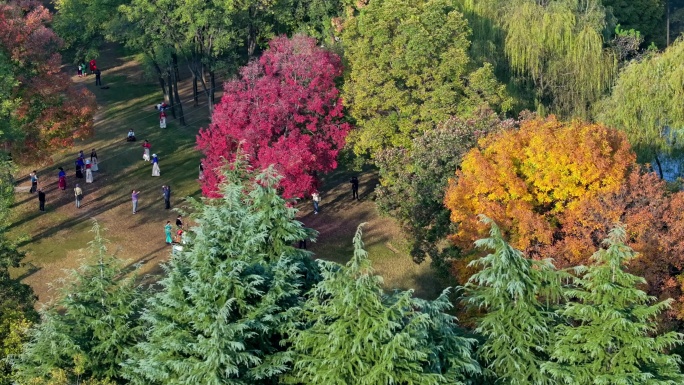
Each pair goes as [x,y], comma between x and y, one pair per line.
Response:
[524,179]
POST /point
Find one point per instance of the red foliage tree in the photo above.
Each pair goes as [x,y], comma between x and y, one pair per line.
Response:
[283,110]
[45,110]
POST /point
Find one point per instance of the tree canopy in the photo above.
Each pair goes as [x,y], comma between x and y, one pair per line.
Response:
[645,102]
[86,331]
[41,110]
[355,333]
[557,45]
[524,179]
[409,71]
[517,296]
[610,335]
[284,110]
[230,297]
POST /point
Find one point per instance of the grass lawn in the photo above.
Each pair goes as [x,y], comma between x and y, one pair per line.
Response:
[55,240]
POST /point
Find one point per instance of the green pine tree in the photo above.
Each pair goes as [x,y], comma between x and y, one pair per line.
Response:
[516,296]
[228,300]
[85,332]
[611,335]
[356,334]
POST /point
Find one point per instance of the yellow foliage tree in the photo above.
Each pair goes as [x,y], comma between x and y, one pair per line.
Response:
[524,179]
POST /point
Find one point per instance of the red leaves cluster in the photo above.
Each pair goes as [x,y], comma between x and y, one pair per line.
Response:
[283,110]
[51,111]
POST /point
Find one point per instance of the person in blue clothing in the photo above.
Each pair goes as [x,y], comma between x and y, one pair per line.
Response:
[155,165]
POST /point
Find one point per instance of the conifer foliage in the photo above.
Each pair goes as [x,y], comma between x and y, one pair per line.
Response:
[356,334]
[229,298]
[283,110]
[611,335]
[516,295]
[85,332]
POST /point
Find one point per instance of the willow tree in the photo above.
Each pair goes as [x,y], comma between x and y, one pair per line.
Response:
[558,45]
[646,102]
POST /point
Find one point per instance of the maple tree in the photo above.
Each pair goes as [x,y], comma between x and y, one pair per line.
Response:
[285,110]
[558,189]
[524,179]
[42,110]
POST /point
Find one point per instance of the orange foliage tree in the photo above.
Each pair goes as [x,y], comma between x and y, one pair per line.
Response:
[524,179]
[557,189]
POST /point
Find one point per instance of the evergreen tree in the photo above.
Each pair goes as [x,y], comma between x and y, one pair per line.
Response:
[229,298]
[516,295]
[85,332]
[611,335]
[356,334]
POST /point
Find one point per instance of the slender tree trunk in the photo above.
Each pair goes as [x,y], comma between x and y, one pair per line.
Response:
[197,70]
[172,101]
[252,33]
[667,4]
[660,167]
[195,91]
[212,79]
[175,89]
[175,67]
[162,82]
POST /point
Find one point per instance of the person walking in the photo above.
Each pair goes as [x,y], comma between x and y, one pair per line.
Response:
[155,166]
[201,170]
[316,201]
[146,150]
[355,187]
[80,71]
[98,81]
[41,199]
[166,192]
[179,222]
[88,172]
[93,160]
[62,179]
[34,181]
[93,65]
[134,199]
[78,193]
[167,231]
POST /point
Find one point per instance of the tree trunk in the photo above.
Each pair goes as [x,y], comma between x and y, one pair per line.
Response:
[667,4]
[212,79]
[175,90]
[252,33]
[175,67]
[197,70]
[660,167]
[172,101]
[162,82]
[195,91]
